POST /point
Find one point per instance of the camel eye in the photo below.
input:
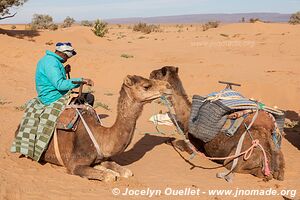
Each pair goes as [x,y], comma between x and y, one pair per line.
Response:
[147,86]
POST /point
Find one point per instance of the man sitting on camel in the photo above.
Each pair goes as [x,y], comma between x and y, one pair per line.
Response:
[50,78]
[41,113]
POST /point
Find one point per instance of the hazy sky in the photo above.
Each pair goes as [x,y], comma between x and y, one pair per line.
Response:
[92,9]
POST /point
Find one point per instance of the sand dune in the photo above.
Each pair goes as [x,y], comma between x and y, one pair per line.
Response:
[264,58]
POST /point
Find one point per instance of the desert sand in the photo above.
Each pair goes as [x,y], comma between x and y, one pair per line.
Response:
[263,57]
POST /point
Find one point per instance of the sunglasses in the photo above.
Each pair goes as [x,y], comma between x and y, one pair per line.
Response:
[63,44]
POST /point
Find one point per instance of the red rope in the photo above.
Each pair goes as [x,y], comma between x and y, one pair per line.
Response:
[247,153]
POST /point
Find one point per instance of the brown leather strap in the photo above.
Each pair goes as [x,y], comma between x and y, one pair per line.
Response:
[56,149]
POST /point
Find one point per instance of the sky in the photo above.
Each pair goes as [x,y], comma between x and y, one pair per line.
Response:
[106,9]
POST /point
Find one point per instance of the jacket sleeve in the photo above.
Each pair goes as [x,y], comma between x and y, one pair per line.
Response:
[57,79]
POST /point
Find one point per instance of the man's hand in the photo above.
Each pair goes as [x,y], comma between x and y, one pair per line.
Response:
[89,81]
[68,68]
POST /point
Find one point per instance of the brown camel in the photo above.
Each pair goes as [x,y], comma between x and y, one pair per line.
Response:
[77,149]
[222,145]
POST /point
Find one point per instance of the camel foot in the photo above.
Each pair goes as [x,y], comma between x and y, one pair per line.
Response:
[109,175]
[268,178]
[123,172]
[180,144]
[126,173]
[279,175]
[101,174]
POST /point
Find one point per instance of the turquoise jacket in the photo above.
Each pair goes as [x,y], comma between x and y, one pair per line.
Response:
[50,79]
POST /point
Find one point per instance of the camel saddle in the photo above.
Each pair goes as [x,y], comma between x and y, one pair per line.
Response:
[211,114]
[68,120]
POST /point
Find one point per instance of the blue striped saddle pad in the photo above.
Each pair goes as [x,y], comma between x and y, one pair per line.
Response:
[209,114]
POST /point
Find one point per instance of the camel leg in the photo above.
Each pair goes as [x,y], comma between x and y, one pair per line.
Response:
[124,172]
[251,166]
[278,166]
[277,161]
[94,174]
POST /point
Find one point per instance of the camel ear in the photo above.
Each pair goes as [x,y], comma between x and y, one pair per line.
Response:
[164,71]
[177,69]
[129,81]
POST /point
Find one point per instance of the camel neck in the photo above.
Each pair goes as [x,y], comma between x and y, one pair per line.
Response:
[128,112]
[182,107]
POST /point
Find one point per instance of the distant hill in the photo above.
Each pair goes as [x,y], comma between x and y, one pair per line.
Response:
[200,18]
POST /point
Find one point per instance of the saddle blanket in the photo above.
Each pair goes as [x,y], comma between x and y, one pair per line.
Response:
[209,114]
[37,127]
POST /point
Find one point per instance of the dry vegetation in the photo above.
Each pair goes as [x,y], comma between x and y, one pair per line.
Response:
[86,23]
[145,28]
[40,21]
[295,18]
[253,20]
[209,25]
[100,28]
[68,22]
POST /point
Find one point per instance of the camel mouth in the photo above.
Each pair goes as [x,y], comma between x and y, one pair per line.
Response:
[166,93]
[152,98]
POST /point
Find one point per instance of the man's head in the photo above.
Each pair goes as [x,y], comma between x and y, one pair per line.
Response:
[65,50]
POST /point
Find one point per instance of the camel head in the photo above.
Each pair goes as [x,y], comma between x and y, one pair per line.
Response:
[167,73]
[143,90]
[170,75]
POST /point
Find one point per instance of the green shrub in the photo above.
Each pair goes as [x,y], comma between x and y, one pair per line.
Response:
[102,105]
[42,22]
[209,25]
[86,23]
[100,28]
[179,26]
[144,28]
[21,107]
[68,22]
[3,102]
[124,55]
[295,18]
[53,27]
[224,35]
[253,20]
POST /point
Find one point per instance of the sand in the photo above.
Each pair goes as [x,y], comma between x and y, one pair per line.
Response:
[264,58]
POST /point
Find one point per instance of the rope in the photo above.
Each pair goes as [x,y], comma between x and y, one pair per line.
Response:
[168,104]
[247,153]
[156,123]
[90,134]
[277,134]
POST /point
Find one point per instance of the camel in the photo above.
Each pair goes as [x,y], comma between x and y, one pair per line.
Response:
[77,150]
[222,145]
